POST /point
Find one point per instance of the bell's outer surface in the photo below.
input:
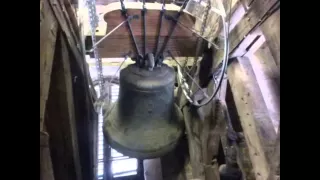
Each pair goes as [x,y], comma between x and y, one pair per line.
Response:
[144,123]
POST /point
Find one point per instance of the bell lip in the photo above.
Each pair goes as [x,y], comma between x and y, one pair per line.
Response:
[145,154]
[142,154]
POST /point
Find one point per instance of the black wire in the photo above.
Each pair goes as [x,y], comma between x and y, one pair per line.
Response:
[225,63]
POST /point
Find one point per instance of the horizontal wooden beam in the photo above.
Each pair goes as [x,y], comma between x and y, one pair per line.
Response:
[118,61]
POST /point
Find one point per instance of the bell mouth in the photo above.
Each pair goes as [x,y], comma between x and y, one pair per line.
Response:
[143,140]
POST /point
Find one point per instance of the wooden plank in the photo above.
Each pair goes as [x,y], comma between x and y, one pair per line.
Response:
[73,42]
[61,126]
[243,159]
[268,78]
[75,48]
[114,18]
[274,175]
[118,46]
[46,171]
[48,36]
[119,42]
[72,26]
[271,31]
[258,129]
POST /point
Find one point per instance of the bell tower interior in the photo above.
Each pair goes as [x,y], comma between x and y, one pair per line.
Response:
[159,90]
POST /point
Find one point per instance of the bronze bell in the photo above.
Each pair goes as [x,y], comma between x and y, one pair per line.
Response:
[145,122]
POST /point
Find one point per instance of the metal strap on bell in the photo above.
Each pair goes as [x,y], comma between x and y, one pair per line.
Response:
[145,122]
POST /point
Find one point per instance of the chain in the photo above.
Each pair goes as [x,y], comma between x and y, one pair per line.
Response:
[94,19]
[202,30]
[205,18]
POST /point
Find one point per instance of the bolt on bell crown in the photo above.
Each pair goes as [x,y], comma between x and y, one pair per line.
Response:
[144,123]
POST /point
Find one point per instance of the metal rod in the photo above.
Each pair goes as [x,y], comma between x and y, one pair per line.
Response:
[160,27]
[192,30]
[125,15]
[171,29]
[143,13]
[114,29]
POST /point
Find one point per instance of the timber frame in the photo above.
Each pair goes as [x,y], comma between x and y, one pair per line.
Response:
[253,72]
[68,121]
[69,135]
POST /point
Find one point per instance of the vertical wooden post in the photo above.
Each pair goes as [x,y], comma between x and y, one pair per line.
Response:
[60,121]
[46,171]
[48,37]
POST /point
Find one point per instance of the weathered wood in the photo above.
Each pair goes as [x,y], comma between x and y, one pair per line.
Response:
[119,42]
[46,171]
[258,11]
[73,42]
[244,162]
[117,47]
[275,159]
[69,22]
[258,129]
[268,78]
[61,126]
[192,127]
[243,159]
[48,36]
[271,31]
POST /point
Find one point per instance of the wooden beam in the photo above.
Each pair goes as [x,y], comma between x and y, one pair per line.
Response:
[258,12]
[271,31]
[258,129]
[48,36]
[57,10]
[243,159]
[119,42]
[275,159]
[115,6]
[268,78]
[61,126]
[46,171]
[117,61]
[73,42]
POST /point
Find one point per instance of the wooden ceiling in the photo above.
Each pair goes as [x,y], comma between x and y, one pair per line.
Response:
[119,42]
